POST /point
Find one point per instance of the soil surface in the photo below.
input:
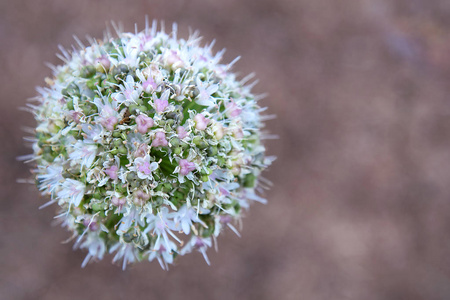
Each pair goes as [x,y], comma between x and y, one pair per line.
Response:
[360,206]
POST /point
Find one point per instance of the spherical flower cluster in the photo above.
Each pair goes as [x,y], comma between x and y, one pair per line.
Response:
[148,144]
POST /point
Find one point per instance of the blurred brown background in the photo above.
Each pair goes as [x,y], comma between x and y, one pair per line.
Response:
[360,207]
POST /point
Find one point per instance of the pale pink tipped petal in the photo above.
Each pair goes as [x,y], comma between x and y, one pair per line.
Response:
[149,85]
[174,60]
[219,132]
[109,122]
[233,110]
[119,202]
[238,133]
[201,122]
[104,62]
[76,116]
[112,172]
[91,224]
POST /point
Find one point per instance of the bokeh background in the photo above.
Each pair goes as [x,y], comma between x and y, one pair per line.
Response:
[360,207]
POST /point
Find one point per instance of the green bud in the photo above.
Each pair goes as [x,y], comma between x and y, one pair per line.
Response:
[70,104]
[123,150]
[47,149]
[122,188]
[88,108]
[110,80]
[142,108]
[197,140]
[158,200]
[92,84]
[221,161]
[167,187]
[131,176]
[208,231]
[175,142]
[184,146]
[249,180]
[96,206]
[195,92]
[128,237]
[206,171]
[71,90]
[97,194]
[48,157]
[237,207]
[124,160]
[177,150]
[132,108]
[212,151]
[117,142]
[133,184]
[41,143]
[87,71]
[145,55]
[120,70]
[100,68]
[172,115]
[175,201]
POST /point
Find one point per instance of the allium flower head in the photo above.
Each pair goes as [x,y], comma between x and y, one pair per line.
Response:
[149,146]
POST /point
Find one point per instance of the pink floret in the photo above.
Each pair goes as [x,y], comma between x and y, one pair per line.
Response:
[186,166]
[112,172]
[201,122]
[160,139]
[109,123]
[161,105]
[144,123]
[182,133]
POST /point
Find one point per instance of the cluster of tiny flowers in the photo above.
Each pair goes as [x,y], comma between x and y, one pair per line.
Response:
[148,144]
